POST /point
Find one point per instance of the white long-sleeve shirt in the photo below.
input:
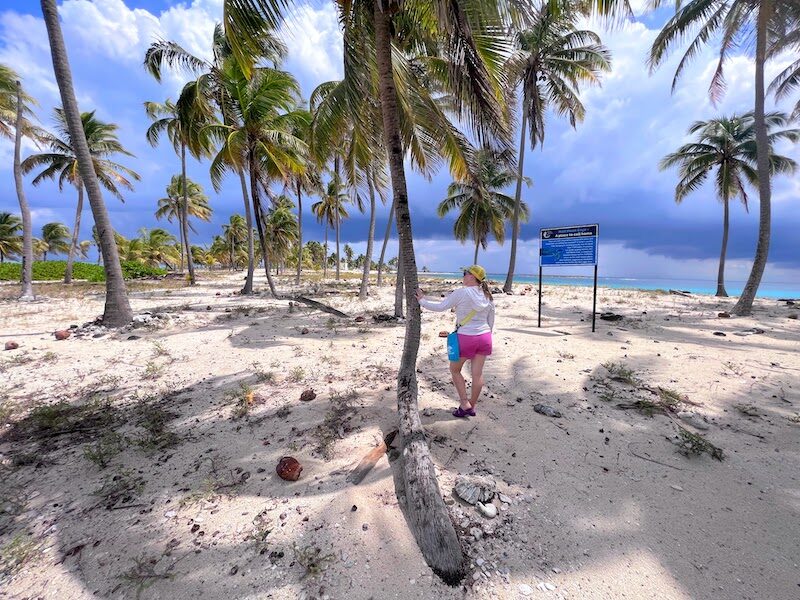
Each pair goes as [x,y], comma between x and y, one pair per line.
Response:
[466,299]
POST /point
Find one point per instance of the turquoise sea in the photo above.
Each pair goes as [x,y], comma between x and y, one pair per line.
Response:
[734,288]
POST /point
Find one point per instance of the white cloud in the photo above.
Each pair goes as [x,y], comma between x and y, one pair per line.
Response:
[315,42]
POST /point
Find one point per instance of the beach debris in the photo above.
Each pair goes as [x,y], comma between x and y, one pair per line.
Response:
[793,316]
[443,334]
[62,334]
[384,318]
[680,292]
[372,457]
[11,345]
[548,411]
[747,409]
[610,316]
[545,586]
[724,315]
[289,468]
[304,331]
[692,419]
[677,488]
[308,395]
[474,489]
[789,301]
[359,319]
[720,334]
[488,510]
[751,331]
[694,444]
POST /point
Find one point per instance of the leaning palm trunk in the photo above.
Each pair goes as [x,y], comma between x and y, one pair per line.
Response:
[517,204]
[362,293]
[745,304]
[117,310]
[721,274]
[299,233]
[257,213]
[425,510]
[184,218]
[398,287]
[73,247]
[27,227]
[475,258]
[248,217]
[385,243]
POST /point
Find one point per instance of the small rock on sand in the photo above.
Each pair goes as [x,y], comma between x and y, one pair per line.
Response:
[547,411]
[11,345]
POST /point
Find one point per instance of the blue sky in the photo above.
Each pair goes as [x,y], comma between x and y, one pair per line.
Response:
[605,171]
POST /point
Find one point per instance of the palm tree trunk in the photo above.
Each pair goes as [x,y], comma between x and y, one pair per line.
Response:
[117,311]
[721,274]
[325,252]
[248,217]
[424,507]
[362,293]
[385,243]
[299,233]
[475,258]
[75,233]
[338,220]
[517,203]
[399,288]
[184,218]
[744,306]
[26,278]
[180,237]
[257,213]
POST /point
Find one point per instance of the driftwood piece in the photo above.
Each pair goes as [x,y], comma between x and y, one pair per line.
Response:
[317,305]
[369,461]
[680,293]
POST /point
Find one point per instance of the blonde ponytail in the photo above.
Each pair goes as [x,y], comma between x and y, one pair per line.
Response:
[486,292]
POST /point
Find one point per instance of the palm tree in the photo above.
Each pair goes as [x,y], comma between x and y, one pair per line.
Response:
[61,164]
[183,124]
[464,35]
[117,311]
[329,211]
[258,136]
[213,86]
[156,247]
[10,239]
[56,238]
[727,144]
[281,230]
[786,36]
[171,206]
[552,60]
[731,21]
[14,108]
[483,210]
[235,235]
[306,181]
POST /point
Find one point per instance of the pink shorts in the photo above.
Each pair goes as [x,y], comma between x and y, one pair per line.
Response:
[470,345]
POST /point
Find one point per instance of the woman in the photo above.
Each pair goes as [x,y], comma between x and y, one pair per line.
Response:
[475,319]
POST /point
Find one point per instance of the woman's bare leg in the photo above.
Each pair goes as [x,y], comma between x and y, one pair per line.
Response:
[477,378]
[458,381]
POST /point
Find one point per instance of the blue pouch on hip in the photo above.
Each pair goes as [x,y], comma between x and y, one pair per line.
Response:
[453,351]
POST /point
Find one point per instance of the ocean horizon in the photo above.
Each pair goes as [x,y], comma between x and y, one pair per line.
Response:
[694,286]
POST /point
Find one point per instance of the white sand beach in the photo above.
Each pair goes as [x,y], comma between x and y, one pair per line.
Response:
[597,504]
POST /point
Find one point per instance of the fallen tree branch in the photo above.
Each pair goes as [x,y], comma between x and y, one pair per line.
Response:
[317,305]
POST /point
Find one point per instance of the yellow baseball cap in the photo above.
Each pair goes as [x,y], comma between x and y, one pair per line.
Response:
[477,271]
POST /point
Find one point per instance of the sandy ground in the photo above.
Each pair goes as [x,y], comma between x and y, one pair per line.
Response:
[601,503]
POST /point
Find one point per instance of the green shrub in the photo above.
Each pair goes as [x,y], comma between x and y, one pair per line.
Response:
[53,270]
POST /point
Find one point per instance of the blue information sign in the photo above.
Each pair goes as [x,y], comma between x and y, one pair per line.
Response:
[568,246]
